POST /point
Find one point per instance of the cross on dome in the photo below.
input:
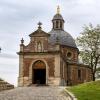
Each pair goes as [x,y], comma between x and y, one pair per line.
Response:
[39,25]
[58,9]
[22,41]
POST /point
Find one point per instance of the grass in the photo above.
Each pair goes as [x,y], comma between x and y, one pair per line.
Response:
[87,91]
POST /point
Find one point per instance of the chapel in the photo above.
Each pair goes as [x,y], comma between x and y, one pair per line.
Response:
[51,58]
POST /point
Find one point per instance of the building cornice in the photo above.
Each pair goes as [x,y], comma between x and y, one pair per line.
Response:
[38,53]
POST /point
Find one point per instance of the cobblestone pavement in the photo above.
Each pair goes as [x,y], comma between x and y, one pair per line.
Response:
[34,93]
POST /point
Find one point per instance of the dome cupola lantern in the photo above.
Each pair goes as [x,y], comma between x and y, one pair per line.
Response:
[58,21]
[58,35]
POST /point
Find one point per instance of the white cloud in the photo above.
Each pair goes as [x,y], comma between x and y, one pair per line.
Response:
[86,2]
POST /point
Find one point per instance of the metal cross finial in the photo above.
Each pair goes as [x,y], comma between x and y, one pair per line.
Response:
[22,41]
[58,10]
[39,25]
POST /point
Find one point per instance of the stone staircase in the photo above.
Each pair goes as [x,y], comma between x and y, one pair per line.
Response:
[5,85]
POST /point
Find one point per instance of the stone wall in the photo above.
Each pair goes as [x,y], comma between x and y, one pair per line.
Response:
[74,53]
[28,62]
[85,74]
[5,85]
[70,75]
[52,63]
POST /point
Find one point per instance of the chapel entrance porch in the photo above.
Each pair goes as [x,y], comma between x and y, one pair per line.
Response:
[39,73]
[39,76]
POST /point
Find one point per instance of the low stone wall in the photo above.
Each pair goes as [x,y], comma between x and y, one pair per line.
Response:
[71,96]
[5,85]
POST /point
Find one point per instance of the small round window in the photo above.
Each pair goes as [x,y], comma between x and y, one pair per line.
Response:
[69,54]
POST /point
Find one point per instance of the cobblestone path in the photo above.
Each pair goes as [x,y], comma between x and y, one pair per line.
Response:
[34,93]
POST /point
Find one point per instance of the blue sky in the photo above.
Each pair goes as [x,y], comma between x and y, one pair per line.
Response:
[18,18]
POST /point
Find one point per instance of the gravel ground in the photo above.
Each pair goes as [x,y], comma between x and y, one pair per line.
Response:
[34,93]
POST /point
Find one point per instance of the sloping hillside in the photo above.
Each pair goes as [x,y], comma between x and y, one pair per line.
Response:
[87,91]
[5,85]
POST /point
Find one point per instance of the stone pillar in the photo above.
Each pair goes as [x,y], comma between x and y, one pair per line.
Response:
[21,65]
[20,78]
[57,70]
[59,24]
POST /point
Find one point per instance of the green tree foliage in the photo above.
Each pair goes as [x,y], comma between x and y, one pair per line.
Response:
[98,69]
[89,44]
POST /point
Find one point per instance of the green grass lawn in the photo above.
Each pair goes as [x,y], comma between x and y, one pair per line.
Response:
[87,91]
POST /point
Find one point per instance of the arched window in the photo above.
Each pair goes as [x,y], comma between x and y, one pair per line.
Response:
[57,24]
[60,24]
[79,74]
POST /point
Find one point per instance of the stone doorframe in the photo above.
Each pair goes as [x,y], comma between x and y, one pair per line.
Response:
[31,70]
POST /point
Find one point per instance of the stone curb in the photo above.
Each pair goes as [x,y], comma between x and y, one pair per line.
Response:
[72,96]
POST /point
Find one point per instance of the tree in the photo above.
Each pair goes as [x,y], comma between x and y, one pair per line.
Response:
[89,44]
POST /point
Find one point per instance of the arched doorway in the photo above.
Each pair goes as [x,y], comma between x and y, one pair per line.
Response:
[39,72]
